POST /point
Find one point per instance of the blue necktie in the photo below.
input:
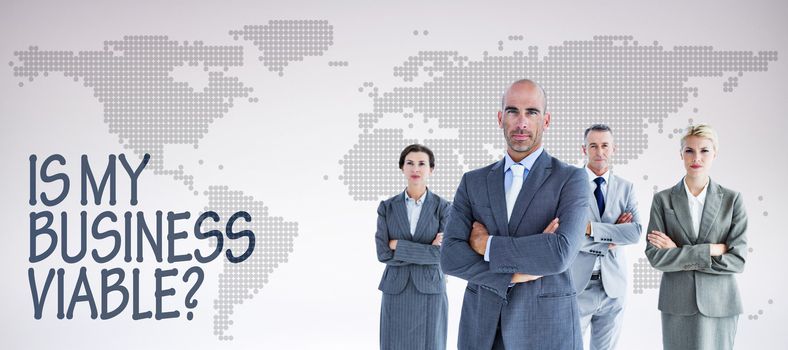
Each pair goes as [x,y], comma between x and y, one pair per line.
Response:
[600,199]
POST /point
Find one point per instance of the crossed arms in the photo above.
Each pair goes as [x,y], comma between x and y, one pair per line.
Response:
[713,258]
[537,254]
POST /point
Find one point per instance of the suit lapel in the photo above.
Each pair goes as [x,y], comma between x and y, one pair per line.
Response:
[401,215]
[711,207]
[427,209]
[678,199]
[497,194]
[611,196]
[540,171]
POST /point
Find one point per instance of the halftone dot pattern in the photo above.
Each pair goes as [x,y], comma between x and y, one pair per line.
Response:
[273,243]
[644,276]
[285,41]
[380,149]
[756,315]
[764,212]
[610,79]
[338,63]
[143,104]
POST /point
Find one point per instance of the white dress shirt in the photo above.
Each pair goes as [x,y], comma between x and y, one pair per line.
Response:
[414,210]
[695,204]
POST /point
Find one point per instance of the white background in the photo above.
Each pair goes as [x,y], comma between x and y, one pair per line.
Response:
[326,296]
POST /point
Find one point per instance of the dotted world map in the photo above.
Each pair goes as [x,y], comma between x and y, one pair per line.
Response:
[630,85]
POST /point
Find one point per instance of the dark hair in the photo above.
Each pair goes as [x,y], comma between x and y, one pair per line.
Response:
[416,148]
[596,127]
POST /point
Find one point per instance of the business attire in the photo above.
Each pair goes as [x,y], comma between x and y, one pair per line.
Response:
[599,273]
[496,314]
[414,307]
[698,294]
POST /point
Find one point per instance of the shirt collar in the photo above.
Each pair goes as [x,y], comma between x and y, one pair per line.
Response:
[527,162]
[592,176]
[701,197]
[416,201]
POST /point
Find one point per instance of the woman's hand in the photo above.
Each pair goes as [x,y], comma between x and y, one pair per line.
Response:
[718,249]
[660,240]
[438,239]
[393,244]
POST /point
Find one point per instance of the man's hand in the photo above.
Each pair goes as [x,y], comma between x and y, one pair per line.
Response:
[438,239]
[624,218]
[478,238]
[611,246]
[393,244]
[552,226]
[523,277]
[718,249]
[660,240]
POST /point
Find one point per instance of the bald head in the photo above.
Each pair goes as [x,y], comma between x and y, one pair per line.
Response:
[523,118]
[525,83]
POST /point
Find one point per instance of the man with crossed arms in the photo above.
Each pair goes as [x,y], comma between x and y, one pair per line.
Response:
[599,272]
[503,235]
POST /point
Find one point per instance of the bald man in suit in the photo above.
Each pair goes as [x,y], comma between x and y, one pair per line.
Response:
[519,294]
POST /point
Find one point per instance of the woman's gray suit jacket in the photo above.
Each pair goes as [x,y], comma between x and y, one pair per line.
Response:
[693,281]
[415,257]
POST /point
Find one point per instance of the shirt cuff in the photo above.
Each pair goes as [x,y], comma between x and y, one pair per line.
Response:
[487,250]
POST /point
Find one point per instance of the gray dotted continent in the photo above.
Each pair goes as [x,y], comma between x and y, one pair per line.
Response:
[274,242]
[644,276]
[285,41]
[143,104]
[381,148]
[610,79]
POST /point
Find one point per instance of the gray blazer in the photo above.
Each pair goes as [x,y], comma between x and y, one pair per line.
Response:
[415,257]
[693,281]
[620,198]
[541,314]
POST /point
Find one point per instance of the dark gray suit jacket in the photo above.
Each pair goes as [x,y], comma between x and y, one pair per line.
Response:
[541,314]
[693,281]
[415,257]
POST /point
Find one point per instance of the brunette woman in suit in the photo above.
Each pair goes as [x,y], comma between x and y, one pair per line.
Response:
[696,237]
[414,310]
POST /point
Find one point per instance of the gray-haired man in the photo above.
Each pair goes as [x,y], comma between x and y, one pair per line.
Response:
[599,271]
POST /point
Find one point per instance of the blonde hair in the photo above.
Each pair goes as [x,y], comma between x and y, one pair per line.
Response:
[701,130]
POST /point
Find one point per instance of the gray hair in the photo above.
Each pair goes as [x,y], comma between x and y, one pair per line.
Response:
[596,127]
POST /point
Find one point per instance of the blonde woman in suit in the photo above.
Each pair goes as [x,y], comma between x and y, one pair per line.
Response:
[414,308]
[696,236]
